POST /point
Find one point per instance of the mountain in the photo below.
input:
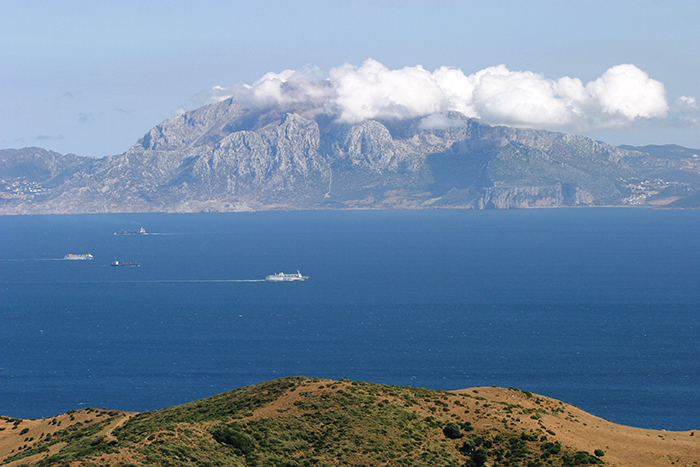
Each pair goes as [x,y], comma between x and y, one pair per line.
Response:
[32,173]
[230,156]
[303,422]
[674,169]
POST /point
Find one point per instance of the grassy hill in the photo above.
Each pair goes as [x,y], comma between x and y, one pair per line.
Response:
[298,421]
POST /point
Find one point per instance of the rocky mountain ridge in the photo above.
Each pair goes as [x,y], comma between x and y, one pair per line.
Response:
[231,157]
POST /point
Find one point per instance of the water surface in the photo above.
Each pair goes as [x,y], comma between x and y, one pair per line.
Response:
[595,307]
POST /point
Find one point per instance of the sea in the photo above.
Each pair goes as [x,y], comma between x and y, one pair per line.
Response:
[596,307]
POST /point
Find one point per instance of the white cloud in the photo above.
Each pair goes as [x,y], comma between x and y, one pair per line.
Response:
[456,86]
[217,94]
[519,98]
[687,103]
[440,121]
[685,112]
[374,91]
[627,91]
[287,87]
[619,97]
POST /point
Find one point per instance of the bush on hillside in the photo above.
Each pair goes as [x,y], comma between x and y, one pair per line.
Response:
[452,431]
[236,439]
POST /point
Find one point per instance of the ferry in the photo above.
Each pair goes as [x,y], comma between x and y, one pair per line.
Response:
[78,257]
[282,277]
[126,265]
[140,231]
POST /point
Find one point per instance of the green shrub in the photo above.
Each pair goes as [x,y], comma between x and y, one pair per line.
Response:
[452,431]
[468,447]
[580,458]
[480,456]
[236,439]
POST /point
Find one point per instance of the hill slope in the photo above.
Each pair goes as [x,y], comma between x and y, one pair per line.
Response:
[303,422]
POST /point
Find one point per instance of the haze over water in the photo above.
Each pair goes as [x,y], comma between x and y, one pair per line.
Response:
[595,307]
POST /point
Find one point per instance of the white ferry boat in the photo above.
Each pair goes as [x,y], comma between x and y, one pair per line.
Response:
[282,277]
[78,257]
[140,231]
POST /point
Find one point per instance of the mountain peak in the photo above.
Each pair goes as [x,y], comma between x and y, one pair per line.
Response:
[233,156]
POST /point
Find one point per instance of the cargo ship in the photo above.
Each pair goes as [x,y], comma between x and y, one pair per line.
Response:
[140,231]
[78,257]
[282,277]
[125,265]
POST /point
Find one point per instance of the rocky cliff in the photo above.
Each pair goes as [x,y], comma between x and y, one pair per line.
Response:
[229,157]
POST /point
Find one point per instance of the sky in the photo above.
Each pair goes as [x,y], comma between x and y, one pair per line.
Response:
[92,77]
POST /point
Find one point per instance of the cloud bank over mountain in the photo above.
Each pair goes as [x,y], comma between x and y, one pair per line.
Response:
[621,96]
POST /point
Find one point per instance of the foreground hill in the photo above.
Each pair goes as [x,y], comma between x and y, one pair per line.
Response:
[232,157]
[304,422]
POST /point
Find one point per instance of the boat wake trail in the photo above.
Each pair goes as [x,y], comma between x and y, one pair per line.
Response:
[32,259]
[155,281]
[151,234]
[198,280]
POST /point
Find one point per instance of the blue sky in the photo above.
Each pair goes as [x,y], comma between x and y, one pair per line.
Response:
[91,78]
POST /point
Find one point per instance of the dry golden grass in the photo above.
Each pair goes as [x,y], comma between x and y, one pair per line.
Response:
[491,411]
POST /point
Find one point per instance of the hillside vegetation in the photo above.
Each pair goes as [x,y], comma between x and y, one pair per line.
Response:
[298,421]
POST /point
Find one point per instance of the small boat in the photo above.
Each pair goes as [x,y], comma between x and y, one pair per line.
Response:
[282,277]
[85,256]
[125,265]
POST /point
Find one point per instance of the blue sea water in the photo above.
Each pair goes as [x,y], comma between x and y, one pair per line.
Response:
[595,307]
